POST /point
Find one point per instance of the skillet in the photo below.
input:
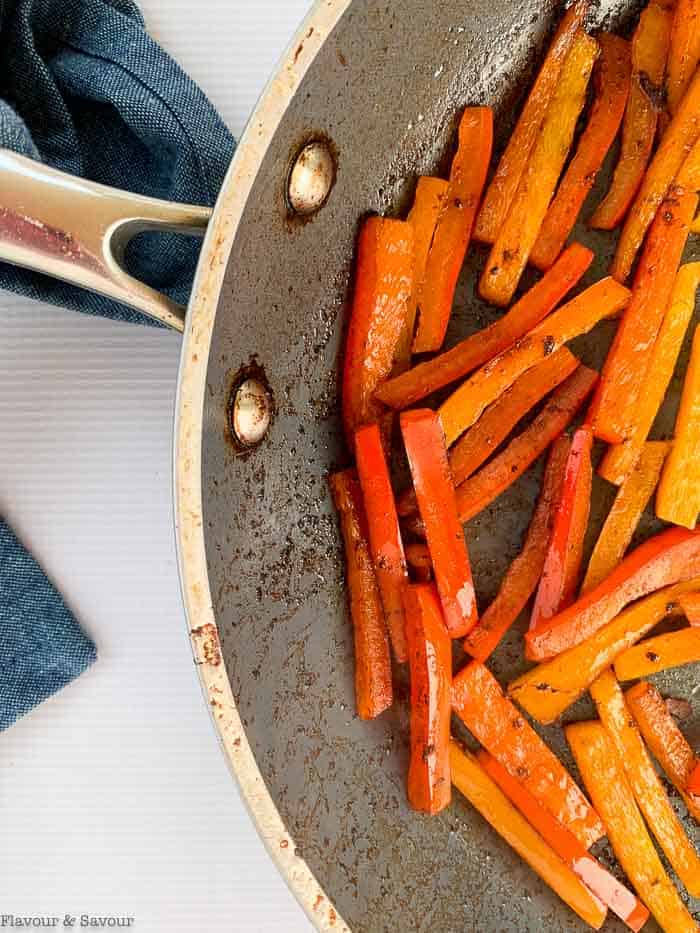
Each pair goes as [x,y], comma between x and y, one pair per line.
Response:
[379,86]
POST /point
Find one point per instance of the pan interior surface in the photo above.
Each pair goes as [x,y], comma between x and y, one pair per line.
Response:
[385,91]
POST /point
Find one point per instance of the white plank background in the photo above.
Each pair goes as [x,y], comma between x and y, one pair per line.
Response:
[114,796]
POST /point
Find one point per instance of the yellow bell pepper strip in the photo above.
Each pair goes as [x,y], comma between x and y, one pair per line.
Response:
[672,649]
[504,184]
[548,689]
[483,387]
[647,788]
[690,606]
[669,557]
[479,348]
[484,795]
[619,461]
[678,498]
[623,518]
[650,44]
[611,77]
[666,741]
[493,720]
[605,780]
[676,143]
[599,881]
[517,236]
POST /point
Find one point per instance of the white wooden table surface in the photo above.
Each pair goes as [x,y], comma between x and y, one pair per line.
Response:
[114,796]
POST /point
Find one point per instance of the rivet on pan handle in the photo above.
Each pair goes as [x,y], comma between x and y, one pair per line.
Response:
[77,230]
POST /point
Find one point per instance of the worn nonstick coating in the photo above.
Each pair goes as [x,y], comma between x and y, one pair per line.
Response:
[386,89]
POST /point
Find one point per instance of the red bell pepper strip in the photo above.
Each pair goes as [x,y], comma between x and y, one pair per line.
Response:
[693,785]
[611,76]
[410,387]
[385,541]
[614,407]
[373,687]
[383,289]
[454,228]
[430,661]
[524,573]
[596,878]
[427,458]
[493,720]
[670,557]
[562,564]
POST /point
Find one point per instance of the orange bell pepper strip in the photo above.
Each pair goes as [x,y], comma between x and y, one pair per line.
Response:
[479,348]
[493,720]
[506,467]
[478,443]
[619,461]
[673,649]
[548,689]
[577,316]
[631,500]
[562,564]
[373,688]
[690,605]
[485,796]
[454,228]
[597,879]
[430,661]
[647,788]
[522,576]
[611,77]
[614,408]
[428,202]
[693,785]
[666,741]
[678,498]
[649,51]
[419,562]
[676,143]
[684,54]
[427,459]
[504,184]
[386,546]
[669,557]
[604,777]
[516,238]
[383,288]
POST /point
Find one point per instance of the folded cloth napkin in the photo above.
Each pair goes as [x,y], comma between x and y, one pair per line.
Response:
[86,90]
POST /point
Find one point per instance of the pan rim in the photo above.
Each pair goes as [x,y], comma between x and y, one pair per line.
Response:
[187,460]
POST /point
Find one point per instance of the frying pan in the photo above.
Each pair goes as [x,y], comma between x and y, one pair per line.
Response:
[377,87]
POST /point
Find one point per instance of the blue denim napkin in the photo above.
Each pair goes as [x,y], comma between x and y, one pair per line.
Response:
[85,89]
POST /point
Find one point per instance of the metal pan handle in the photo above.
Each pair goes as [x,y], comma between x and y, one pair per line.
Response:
[77,230]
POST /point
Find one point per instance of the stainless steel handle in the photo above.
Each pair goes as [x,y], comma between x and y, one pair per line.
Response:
[77,230]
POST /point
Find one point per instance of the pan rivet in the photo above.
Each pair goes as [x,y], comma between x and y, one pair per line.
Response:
[250,412]
[311,178]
